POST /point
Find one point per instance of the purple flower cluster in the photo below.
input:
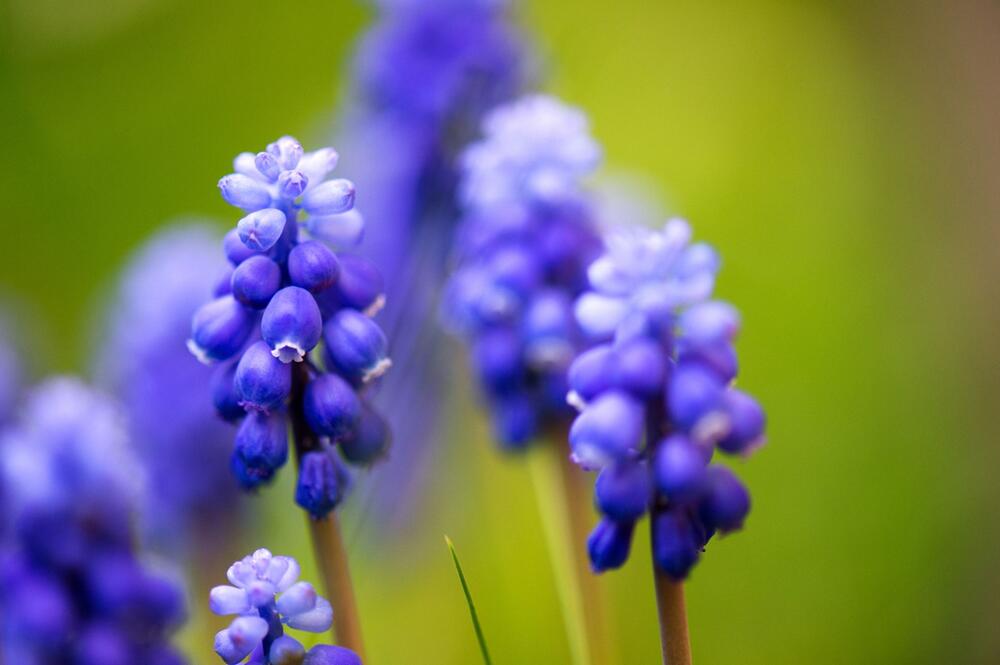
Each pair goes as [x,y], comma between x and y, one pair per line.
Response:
[657,400]
[287,292]
[438,60]
[144,363]
[522,251]
[267,595]
[71,587]
[423,75]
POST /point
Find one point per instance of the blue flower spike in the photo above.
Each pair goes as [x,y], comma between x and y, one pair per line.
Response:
[291,291]
[75,589]
[510,299]
[656,399]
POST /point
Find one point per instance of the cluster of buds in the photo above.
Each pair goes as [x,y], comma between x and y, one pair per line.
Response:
[291,325]
[522,252]
[73,587]
[657,400]
[267,595]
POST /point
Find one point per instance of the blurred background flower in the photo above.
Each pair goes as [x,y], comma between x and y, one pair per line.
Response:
[843,159]
[73,588]
[191,505]
[420,79]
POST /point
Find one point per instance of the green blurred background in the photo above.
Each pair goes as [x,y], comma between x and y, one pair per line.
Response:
[843,157]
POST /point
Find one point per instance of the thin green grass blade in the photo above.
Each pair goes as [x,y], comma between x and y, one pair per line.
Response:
[472,606]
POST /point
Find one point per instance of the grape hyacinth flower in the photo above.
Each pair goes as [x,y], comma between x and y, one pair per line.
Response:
[268,596]
[422,77]
[74,590]
[656,398]
[291,330]
[143,362]
[522,250]
[527,235]
[657,401]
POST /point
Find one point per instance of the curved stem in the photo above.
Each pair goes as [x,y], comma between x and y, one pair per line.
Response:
[328,545]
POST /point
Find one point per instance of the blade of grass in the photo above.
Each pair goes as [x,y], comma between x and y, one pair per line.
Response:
[472,606]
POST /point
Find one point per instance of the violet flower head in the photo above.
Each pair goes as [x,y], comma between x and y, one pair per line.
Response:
[433,60]
[536,150]
[267,596]
[521,262]
[656,399]
[648,274]
[166,394]
[422,77]
[74,590]
[292,330]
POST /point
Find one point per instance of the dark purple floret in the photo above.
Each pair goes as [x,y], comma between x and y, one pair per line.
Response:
[609,544]
[676,545]
[313,266]
[255,281]
[262,381]
[331,406]
[261,447]
[623,491]
[369,441]
[74,587]
[322,482]
[356,346]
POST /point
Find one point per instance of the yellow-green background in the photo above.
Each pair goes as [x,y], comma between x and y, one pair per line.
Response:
[842,156]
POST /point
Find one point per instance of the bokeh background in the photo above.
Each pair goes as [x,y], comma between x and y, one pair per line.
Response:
[844,158]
